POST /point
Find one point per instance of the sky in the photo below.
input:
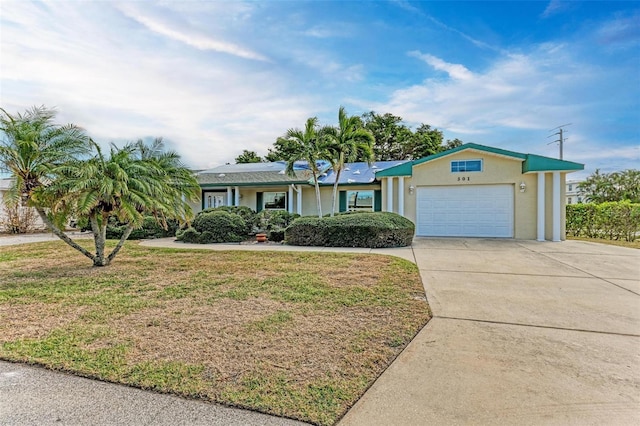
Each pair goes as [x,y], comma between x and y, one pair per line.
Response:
[213,78]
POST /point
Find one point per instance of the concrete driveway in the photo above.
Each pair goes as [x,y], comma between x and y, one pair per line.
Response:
[523,333]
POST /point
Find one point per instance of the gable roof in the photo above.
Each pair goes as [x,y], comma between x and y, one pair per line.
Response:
[530,162]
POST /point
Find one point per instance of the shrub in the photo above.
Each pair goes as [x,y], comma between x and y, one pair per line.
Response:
[613,220]
[276,235]
[223,226]
[150,229]
[248,215]
[274,220]
[373,230]
[188,235]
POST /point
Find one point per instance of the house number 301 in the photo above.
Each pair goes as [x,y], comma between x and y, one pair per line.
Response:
[463,178]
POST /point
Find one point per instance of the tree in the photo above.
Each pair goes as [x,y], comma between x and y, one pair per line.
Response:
[32,147]
[346,143]
[129,183]
[390,135]
[305,145]
[616,186]
[248,157]
[54,173]
[395,141]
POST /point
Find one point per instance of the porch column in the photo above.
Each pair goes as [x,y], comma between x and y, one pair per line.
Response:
[556,216]
[541,207]
[401,195]
[299,199]
[389,194]
[290,199]
[236,202]
[229,197]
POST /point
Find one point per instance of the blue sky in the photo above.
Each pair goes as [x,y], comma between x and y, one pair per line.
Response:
[214,78]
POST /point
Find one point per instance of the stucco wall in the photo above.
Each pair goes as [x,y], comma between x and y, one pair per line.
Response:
[495,170]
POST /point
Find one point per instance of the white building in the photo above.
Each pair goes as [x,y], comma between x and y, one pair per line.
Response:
[574,196]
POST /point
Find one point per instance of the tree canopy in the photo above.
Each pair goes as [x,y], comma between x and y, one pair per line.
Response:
[248,157]
[616,186]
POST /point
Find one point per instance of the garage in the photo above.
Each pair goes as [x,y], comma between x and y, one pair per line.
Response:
[465,211]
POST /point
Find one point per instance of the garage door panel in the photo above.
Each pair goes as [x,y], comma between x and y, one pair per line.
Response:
[465,211]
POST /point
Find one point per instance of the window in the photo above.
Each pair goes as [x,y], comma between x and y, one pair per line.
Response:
[275,200]
[569,200]
[570,187]
[466,166]
[579,199]
[360,201]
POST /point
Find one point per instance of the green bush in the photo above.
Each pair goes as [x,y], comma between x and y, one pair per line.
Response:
[150,229]
[276,235]
[188,235]
[373,230]
[222,226]
[617,220]
[248,215]
[274,220]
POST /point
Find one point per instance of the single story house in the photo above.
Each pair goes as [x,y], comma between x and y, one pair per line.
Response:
[469,191]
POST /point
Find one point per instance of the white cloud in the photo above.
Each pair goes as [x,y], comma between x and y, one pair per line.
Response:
[518,91]
[190,37]
[455,71]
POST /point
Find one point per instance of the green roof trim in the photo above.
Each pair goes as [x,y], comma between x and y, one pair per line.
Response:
[530,162]
[404,169]
[538,163]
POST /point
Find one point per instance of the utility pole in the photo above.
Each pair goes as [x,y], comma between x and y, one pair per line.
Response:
[561,138]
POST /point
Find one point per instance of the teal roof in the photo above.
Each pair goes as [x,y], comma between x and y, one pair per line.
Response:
[530,162]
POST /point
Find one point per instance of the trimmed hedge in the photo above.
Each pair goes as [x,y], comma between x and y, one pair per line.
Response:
[373,230]
[214,227]
[617,220]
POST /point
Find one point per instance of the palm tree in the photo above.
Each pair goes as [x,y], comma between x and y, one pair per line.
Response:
[32,147]
[306,146]
[132,181]
[347,143]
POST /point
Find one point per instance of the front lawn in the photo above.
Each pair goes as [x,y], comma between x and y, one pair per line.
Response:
[300,335]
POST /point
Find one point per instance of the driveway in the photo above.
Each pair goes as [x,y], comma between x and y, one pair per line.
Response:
[523,332]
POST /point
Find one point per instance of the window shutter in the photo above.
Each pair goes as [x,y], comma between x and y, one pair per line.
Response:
[258,202]
[377,200]
[342,201]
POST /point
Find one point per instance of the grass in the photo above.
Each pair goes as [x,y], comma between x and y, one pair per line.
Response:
[630,244]
[300,335]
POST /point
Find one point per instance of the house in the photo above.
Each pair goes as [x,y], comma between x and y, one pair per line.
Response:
[268,186]
[573,194]
[469,191]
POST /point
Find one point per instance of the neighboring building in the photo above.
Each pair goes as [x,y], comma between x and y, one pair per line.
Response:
[23,214]
[574,196]
[469,191]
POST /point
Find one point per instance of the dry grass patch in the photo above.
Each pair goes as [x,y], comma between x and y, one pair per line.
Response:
[294,334]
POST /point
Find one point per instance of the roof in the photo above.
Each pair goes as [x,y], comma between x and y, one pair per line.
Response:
[530,162]
[358,173]
[257,174]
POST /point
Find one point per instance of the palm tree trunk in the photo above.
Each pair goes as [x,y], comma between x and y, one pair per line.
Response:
[335,192]
[58,233]
[99,237]
[124,237]
[319,204]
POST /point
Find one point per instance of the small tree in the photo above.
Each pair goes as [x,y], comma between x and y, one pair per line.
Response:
[346,143]
[616,186]
[306,145]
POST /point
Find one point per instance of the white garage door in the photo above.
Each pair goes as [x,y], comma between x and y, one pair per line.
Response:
[465,211]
